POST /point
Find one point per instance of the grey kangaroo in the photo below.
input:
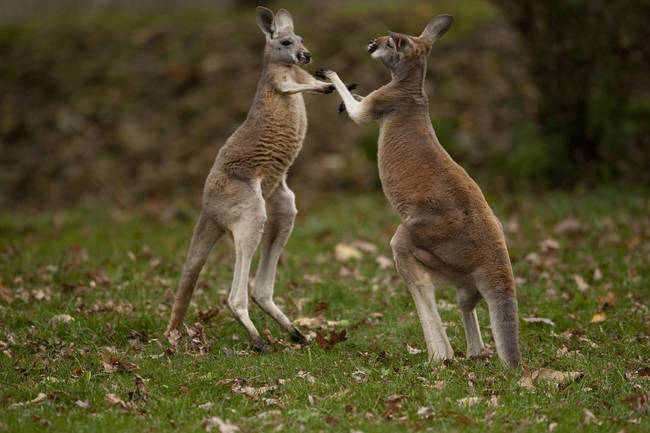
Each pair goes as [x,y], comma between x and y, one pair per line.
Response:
[448,234]
[246,193]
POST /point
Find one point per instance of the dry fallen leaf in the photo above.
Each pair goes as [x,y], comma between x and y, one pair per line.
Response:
[609,299]
[114,400]
[111,364]
[548,245]
[307,376]
[311,322]
[581,284]
[636,401]
[335,338]
[173,337]
[82,404]
[384,262]
[40,398]
[411,350]
[598,275]
[61,318]
[43,421]
[223,426]
[469,401]
[251,391]
[590,418]
[344,252]
[570,224]
[140,390]
[365,246]
[393,404]
[539,320]
[425,412]
[532,375]
[600,316]
[206,405]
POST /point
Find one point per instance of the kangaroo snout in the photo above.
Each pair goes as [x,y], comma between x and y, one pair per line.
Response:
[372,46]
[304,57]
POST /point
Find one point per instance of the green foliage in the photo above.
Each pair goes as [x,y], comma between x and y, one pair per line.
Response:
[587,60]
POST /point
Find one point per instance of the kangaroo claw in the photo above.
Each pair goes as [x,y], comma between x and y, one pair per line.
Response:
[320,73]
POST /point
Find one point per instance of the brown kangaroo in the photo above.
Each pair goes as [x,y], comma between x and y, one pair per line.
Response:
[246,193]
[449,235]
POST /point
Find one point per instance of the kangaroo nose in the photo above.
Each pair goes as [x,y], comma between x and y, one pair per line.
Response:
[307,55]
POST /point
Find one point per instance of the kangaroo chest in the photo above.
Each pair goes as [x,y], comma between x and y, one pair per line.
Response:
[406,163]
[280,140]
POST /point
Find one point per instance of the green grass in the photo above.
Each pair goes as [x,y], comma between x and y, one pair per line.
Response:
[133,260]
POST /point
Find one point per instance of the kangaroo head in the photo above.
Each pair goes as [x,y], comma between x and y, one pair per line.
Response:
[398,49]
[282,44]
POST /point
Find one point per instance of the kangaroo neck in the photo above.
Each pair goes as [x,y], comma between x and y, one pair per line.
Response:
[409,77]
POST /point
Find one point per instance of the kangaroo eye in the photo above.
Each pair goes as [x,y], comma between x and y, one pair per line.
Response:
[286,43]
[389,45]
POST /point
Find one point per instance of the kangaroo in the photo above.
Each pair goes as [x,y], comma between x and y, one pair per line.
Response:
[246,193]
[448,235]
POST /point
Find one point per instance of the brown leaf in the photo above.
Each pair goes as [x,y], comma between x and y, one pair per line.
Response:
[61,318]
[609,299]
[272,402]
[598,275]
[251,391]
[365,246]
[114,400]
[173,337]
[205,316]
[384,262]
[215,422]
[318,321]
[532,375]
[570,224]
[335,338]
[581,284]
[393,404]
[344,252]
[307,376]
[548,245]
[111,364]
[43,421]
[140,390]
[198,340]
[635,401]
[425,412]
[40,398]
[590,418]
[411,350]
[82,404]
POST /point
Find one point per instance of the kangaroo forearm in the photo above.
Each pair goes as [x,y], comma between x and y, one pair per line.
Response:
[357,110]
[291,88]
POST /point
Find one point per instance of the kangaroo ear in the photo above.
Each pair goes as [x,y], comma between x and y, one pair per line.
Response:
[284,21]
[402,42]
[437,27]
[265,21]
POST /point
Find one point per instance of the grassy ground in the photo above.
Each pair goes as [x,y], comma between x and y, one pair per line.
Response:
[110,369]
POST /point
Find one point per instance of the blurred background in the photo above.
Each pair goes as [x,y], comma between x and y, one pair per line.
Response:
[104,101]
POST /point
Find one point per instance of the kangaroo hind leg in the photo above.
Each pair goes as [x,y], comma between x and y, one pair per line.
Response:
[281,213]
[206,233]
[504,319]
[419,280]
[466,299]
